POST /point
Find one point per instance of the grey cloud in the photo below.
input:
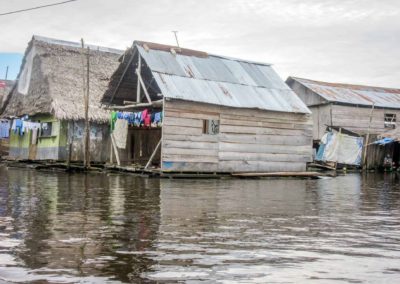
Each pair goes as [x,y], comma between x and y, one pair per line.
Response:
[351,41]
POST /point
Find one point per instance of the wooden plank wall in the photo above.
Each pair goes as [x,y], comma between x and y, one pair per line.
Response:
[249,140]
[321,116]
[357,118]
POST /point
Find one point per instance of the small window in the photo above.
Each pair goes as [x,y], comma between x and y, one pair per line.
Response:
[390,120]
[47,128]
[210,126]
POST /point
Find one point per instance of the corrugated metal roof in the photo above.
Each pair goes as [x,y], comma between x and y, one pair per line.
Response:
[219,80]
[354,94]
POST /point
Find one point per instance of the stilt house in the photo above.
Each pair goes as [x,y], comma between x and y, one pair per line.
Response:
[49,93]
[219,114]
[5,87]
[363,110]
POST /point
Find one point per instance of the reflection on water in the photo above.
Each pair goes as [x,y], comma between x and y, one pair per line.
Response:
[101,228]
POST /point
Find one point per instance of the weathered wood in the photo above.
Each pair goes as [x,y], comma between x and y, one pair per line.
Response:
[139,68]
[266,139]
[123,76]
[191,138]
[137,105]
[189,158]
[189,167]
[248,140]
[204,108]
[190,144]
[235,156]
[185,122]
[272,125]
[152,155]
[179,114]
[182,130]
[264,131]
[271,149]
[193,152]
[143,85]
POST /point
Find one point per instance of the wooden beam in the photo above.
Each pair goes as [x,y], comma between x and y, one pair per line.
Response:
[158,103]
[152,155]
[364,164]
[138,98]
[123,75]
[143,86]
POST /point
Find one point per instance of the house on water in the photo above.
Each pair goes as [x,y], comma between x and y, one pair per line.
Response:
[47,102]
[358,110]
[218,114]
[5,87]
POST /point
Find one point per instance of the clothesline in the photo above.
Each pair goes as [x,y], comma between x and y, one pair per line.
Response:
[143,118]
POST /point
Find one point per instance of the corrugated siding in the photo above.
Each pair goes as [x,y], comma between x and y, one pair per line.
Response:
[221,81]
[352,94]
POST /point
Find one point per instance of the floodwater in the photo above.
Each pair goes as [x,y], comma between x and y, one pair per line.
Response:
[109,228]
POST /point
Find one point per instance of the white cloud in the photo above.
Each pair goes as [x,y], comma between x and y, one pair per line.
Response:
[353,41]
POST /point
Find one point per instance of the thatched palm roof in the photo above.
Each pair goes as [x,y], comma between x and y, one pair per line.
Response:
[51,80]
[5,88]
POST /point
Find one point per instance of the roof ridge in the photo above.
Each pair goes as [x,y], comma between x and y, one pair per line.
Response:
[65,43]
[344,85]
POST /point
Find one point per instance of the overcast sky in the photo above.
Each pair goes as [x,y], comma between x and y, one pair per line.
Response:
[350,41]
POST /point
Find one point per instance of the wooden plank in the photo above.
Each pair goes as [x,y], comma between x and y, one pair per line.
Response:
[186,122]
[278,119]
[203,107]
[189,167]
[192,138]
[292,125]
[182,130]
[272,149]
[266,139]
[235,156]
[189,158]
[264,131]
[182,114]
[192,152]
[190,145]
[256,166]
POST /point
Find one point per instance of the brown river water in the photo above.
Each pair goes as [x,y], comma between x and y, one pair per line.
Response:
[111,228]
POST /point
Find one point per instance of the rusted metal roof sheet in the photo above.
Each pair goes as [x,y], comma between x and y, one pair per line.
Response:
[354,94]
[219,80]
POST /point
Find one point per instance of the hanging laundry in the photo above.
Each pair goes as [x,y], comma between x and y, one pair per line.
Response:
[120,133]
[4,129]
[113,119]
[144,115]
[17,127]
[147,120]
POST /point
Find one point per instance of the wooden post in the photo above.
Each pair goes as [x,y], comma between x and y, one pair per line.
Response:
[138,99]
[87,122]
[153,154]
[339,137]
[367,138]
[84,95]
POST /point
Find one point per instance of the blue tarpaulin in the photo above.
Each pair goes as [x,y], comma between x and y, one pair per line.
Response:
[384,141]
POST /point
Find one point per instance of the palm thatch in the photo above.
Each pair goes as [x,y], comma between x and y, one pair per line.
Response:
[51,80]
[5,88]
